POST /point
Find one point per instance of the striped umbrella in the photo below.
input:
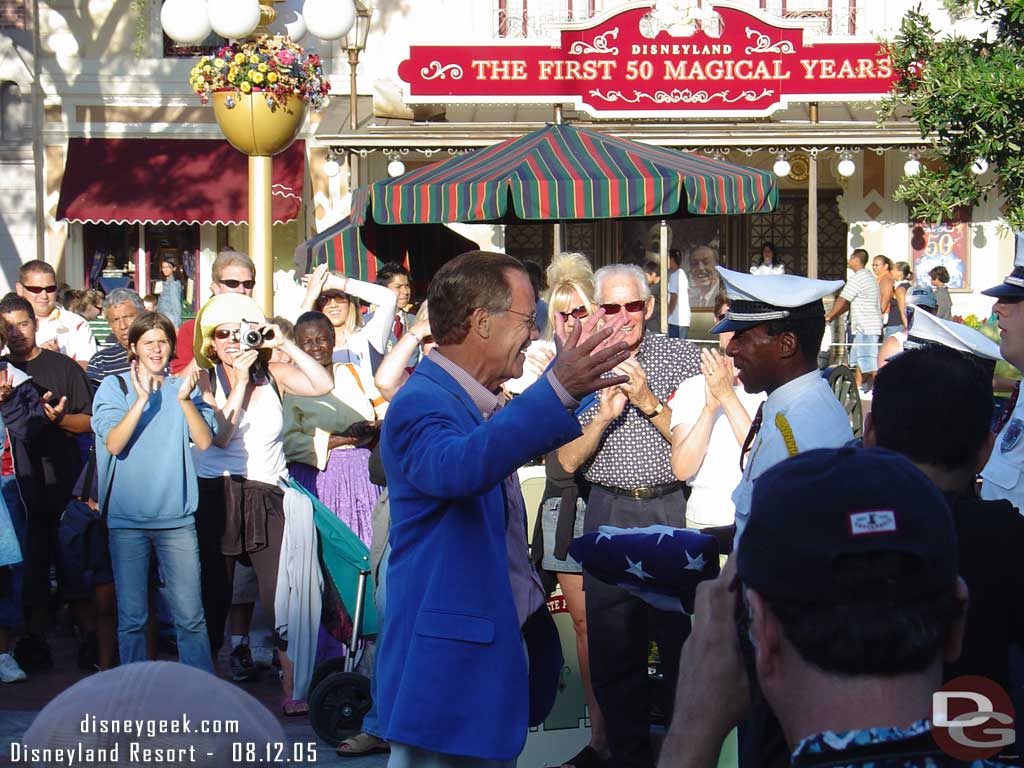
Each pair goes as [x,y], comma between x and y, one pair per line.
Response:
[566,172]
[357,251]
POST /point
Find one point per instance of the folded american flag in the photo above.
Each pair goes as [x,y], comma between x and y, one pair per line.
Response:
[660,564]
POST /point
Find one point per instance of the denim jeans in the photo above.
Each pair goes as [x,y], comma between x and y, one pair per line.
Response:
[177,553]
[370,721]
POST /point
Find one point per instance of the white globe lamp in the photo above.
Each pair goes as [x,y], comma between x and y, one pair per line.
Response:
[234,19]
[912,167]
[186,21]
[846,166]
[329,19]
[331,166]
[782,167]
[396,167]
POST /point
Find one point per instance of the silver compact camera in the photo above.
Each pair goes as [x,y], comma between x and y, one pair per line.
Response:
[250,336]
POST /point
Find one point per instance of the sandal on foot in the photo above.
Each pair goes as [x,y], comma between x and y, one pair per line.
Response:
[362,744]
[588,757]
[294,708]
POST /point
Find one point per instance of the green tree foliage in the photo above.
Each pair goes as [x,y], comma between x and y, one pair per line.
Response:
[967,95]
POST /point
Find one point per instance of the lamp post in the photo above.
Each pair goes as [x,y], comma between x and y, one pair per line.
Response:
[252,124]
[355,43]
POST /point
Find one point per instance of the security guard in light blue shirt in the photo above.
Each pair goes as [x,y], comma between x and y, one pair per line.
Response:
[777,322]
[1003,475]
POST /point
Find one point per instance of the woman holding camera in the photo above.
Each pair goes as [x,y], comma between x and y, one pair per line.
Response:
[144,419]
[241,514]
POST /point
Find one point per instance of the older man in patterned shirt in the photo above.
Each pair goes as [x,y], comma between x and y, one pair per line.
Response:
[626,453]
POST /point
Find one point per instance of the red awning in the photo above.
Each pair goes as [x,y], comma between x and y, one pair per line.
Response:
[171,181]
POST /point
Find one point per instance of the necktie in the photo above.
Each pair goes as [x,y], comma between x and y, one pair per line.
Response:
[399,329]
[1007,410]
[755,427]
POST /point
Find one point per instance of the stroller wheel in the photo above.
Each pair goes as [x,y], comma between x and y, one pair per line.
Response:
[324,669]
[338,705]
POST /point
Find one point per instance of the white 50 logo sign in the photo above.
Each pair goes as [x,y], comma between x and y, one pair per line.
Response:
[972,718]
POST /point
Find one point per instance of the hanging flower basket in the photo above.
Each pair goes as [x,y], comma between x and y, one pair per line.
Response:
[258,125]
[261,90]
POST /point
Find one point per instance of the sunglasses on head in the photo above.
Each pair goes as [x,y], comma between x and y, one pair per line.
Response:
[234,284]
[631,306]
[40,288]
[579,313]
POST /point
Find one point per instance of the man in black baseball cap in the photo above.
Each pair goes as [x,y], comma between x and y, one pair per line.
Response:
[849,602]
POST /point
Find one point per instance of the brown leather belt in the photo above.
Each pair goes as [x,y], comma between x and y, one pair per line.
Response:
[654,492]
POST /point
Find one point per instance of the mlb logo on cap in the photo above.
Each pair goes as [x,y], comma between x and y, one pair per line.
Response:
[866,523]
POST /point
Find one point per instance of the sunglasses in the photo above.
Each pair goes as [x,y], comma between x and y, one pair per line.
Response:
[40,288]
[631,306]
[327,298]
[235,284]
[223,334]
[579,313]
[428,339]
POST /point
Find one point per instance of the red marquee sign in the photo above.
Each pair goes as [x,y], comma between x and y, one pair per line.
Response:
[640,61]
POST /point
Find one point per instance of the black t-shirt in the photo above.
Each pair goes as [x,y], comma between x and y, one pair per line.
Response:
[991,537]
[58,454]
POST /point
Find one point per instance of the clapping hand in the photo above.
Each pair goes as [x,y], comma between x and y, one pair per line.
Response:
[189,380]
[636,387]
[580,365]
[719,374]
[54,412]
[6,385]
[612,402]
[141,381]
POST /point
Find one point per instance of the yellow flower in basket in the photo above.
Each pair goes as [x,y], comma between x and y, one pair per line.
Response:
[239,58]
[245,87]
[254,59]
[219,63]
[256,77]
[272,77]
[262,67]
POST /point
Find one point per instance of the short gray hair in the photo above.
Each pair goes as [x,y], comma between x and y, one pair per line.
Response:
[620,270]
[120,296]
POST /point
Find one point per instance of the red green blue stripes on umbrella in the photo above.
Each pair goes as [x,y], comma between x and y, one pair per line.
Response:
[567,172]
[358,251]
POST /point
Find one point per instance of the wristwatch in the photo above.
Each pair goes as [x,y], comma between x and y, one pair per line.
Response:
[654,414]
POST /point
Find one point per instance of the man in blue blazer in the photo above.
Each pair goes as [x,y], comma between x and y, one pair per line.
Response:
[452,686]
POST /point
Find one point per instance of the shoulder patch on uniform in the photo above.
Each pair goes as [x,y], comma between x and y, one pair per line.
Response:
[787,433]
[1012,435]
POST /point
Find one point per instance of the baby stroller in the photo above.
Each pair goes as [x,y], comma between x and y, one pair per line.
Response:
[339,697]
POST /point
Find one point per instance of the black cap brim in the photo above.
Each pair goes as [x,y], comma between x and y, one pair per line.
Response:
[1005,291]
[726,324]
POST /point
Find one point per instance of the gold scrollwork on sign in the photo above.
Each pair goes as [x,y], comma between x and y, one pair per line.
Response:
[600,44]
[764,44]
[684,96]
[435,71]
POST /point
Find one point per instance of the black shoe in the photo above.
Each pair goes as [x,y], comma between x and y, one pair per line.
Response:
[89,653]
[242,668]
[33,654]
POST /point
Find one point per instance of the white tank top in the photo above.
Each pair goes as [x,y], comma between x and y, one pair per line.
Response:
[256,451]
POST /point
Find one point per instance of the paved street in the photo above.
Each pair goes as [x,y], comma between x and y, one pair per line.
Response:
[20,702]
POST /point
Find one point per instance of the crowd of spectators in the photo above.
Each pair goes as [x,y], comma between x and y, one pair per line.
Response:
[146,480]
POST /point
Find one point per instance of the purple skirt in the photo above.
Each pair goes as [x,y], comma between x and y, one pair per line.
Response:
[344,487]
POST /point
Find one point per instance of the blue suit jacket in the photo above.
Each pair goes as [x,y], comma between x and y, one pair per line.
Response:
[452,671]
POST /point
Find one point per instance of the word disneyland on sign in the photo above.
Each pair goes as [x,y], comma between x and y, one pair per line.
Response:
[639,61]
